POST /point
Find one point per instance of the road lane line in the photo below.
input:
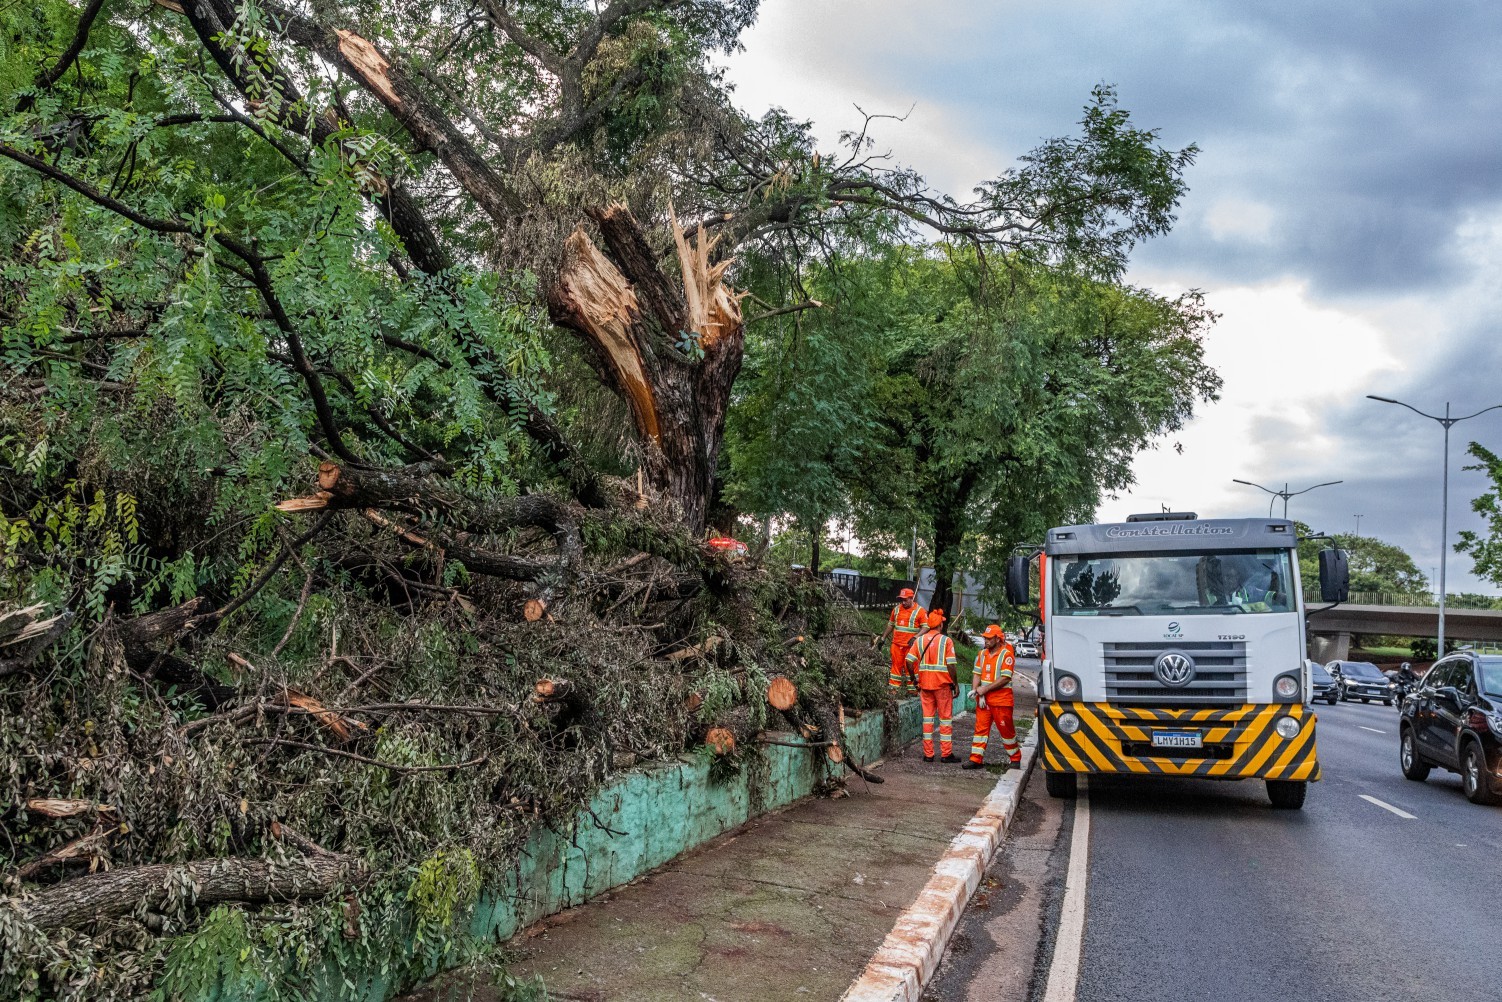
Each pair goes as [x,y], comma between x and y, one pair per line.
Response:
[1388,807]
[1372,729]
[1064,972]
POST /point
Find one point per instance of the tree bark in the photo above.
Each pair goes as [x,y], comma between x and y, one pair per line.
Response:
[670,350]
[74,904]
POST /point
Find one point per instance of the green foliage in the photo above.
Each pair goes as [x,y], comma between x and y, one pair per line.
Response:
[444,890]
[1485,549]
[1375,566]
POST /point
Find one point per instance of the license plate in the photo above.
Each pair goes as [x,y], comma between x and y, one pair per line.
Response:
[1177,739]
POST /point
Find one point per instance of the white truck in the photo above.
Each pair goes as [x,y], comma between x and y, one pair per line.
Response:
[1175,646]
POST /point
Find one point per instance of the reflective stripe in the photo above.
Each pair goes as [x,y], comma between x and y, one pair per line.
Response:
[914,625]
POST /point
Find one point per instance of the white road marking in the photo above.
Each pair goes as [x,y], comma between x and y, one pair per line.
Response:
[1372,729]
[1064,972]
[1388,807]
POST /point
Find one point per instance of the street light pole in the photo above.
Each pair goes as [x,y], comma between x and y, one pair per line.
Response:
[1358,525]
[1446,422]
[1285,493]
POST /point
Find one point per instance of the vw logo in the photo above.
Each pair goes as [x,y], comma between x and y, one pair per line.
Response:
[1174,669]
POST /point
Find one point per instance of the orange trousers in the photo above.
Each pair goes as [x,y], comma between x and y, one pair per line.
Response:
[899,663]
[938,703]
[992,711]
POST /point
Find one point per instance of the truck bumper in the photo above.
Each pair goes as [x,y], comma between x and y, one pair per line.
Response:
[1239,742]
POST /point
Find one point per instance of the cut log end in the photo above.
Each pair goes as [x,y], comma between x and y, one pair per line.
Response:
[720,740]
[835,753]
[782,693]
[534,610]
[328,475]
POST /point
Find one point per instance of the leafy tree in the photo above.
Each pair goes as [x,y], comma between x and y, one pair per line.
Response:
[1485,549]
[1376,567]
[984,415]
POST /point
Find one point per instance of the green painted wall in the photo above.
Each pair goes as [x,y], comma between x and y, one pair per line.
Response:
[655,813]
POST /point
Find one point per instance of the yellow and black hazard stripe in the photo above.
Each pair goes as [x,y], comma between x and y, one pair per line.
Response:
[1237,742]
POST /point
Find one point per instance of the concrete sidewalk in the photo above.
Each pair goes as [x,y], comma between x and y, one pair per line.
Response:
[789,906]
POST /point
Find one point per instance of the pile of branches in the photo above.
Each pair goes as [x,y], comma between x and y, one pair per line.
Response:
[396,723]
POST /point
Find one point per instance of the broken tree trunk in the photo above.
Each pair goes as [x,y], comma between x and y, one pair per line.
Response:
[75,903]
[670,349]
[26,633]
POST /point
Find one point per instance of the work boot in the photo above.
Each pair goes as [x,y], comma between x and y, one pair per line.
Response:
[973,764]
[928,758]
[949,758]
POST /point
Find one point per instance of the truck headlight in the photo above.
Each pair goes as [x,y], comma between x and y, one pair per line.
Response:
[1287,727]
[1288,687]
[1068,723]
[1069,687]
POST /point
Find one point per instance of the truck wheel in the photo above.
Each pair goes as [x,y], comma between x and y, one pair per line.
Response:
[1287,794]
[1473,779]
[1414,768]
[1061,785]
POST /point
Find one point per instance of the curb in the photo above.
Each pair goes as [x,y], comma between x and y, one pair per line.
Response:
[908,957]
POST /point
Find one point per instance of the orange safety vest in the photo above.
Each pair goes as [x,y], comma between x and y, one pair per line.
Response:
[904,632]
[934,657]
[993,666]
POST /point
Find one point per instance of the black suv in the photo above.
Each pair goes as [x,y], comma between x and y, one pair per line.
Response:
[1323,684]
[1361,680]
[1454,720]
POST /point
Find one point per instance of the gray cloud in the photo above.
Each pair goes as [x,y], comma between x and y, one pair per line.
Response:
[1372,127]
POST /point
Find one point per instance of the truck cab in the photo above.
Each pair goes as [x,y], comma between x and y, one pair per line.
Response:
[1175,646]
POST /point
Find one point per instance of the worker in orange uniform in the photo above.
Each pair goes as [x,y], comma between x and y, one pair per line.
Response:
[904,623]
[992,683]
[932,657]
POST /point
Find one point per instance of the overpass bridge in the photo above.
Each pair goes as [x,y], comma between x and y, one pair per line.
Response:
[1330,630]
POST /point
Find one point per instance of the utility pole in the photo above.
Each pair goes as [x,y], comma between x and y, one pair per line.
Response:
[1446,422]
[1358,525]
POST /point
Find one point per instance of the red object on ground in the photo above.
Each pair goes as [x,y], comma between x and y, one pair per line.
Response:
[729,547]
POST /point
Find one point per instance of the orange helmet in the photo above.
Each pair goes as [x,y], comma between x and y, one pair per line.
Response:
[935,619]
[994,631]
[905,593]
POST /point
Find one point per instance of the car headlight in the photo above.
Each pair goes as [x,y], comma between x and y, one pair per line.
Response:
[1287,686]
[1494,723]
[1068,723]
[1069,687]
[1287,727]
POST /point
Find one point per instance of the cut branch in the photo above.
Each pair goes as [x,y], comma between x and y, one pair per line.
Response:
[77,903]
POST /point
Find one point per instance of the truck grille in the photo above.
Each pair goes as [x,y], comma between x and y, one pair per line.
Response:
[1219,674]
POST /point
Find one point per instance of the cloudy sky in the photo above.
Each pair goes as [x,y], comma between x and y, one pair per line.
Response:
[1345,214]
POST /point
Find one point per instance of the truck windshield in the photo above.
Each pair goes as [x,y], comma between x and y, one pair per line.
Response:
[1173,583]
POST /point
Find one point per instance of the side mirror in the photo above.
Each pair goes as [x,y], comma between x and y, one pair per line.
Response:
[1334,576]
[1019,579]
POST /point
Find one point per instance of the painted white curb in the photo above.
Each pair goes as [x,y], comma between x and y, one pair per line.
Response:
[911,952]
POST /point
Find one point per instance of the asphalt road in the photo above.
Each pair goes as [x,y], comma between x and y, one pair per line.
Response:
[1201,891]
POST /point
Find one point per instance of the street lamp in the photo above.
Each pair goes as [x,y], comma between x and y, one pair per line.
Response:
[1285,493]
[1444,503]
[1358,525]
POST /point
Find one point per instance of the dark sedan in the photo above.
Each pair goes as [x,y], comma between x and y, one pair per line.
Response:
[1323,683]
[1454,721]
[1361,680]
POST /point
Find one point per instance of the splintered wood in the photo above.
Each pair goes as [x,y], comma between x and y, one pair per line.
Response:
[602,303]
[713,309]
